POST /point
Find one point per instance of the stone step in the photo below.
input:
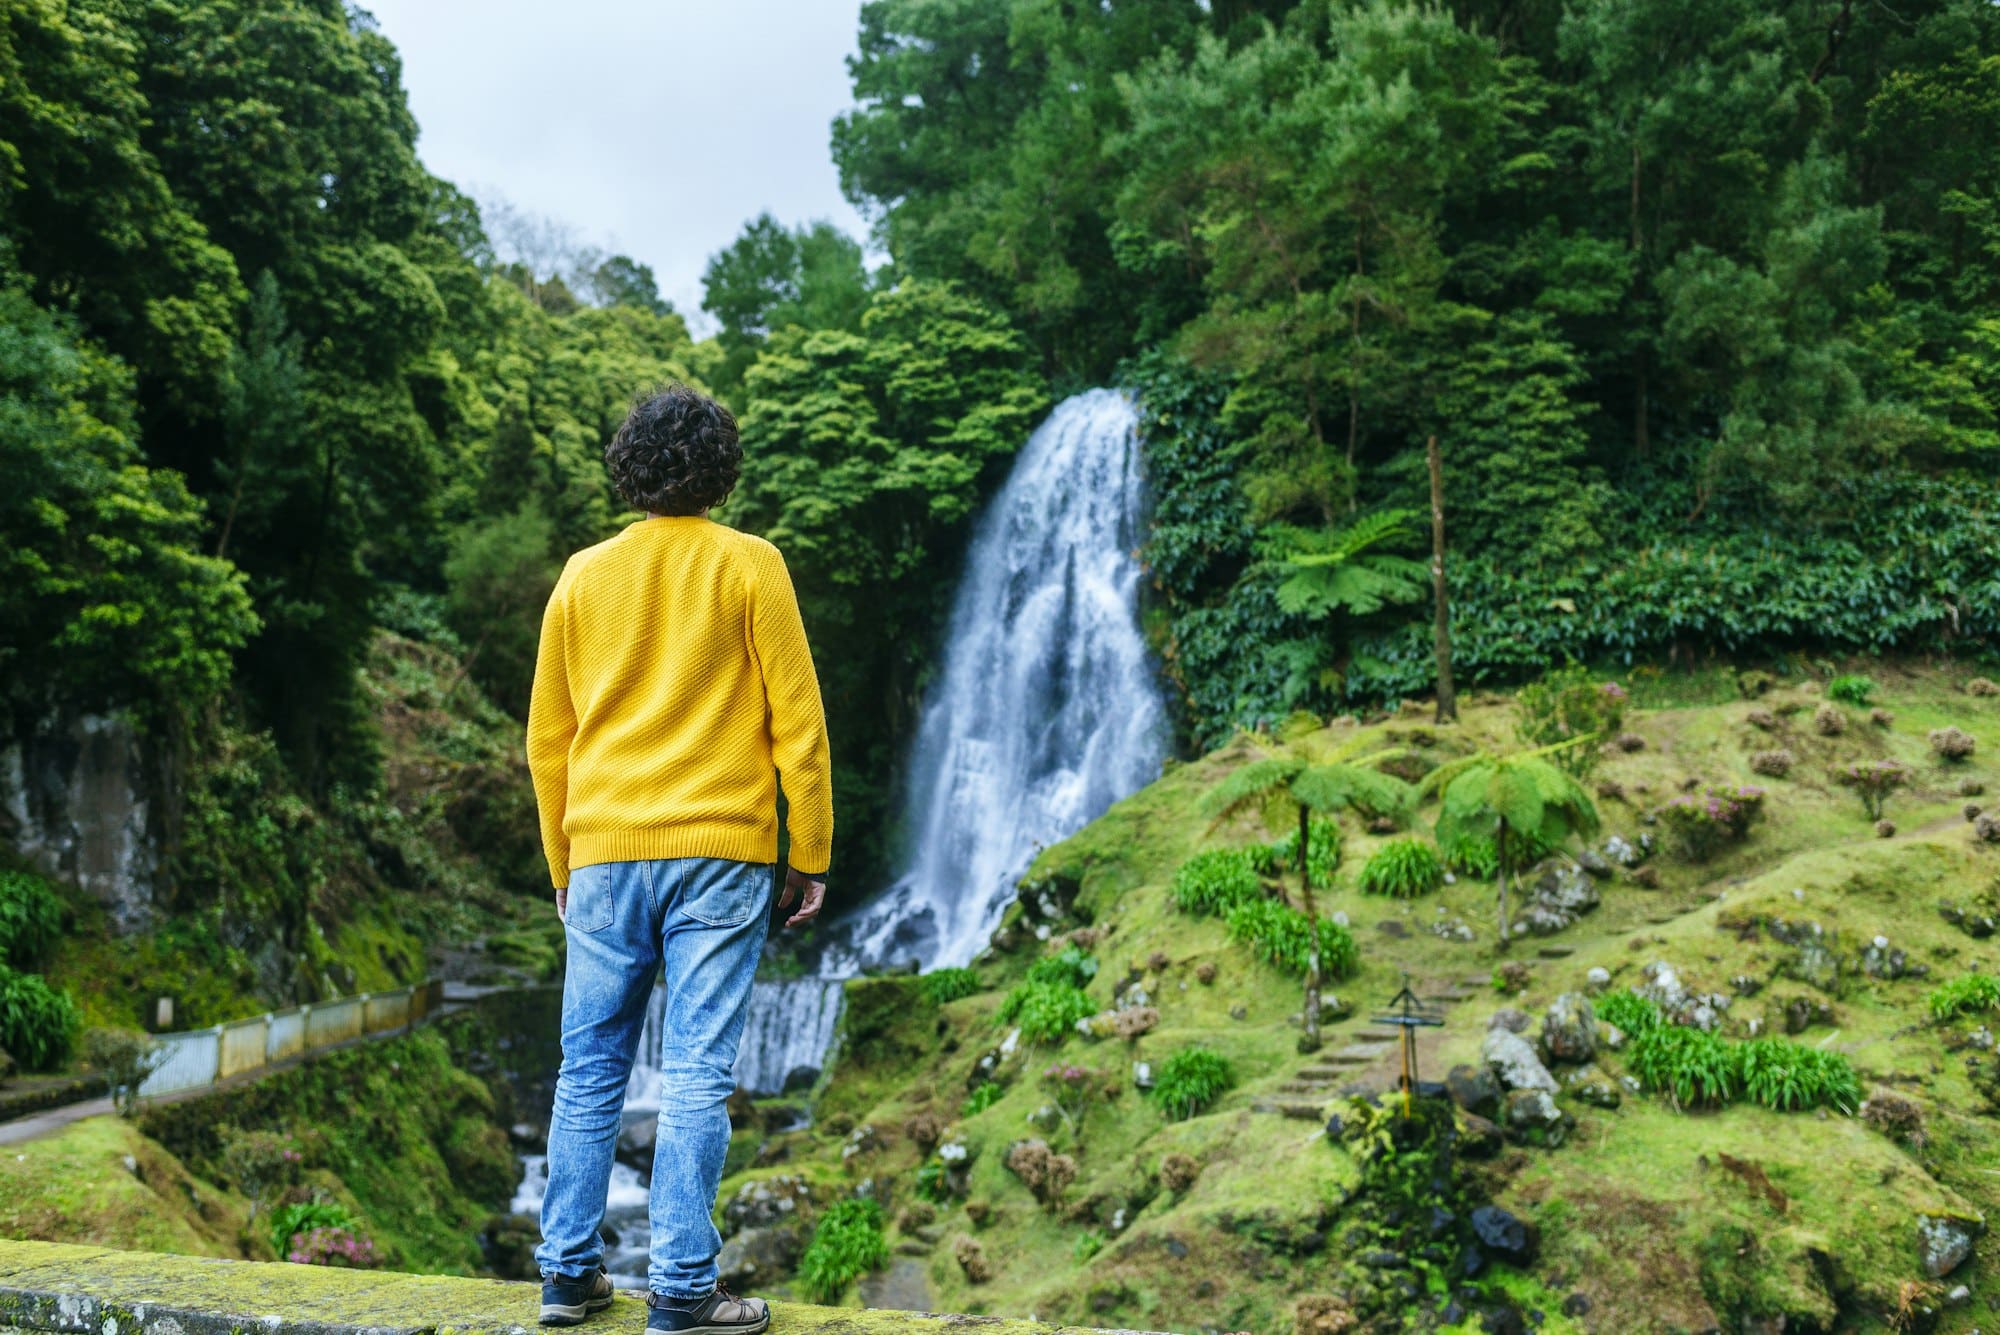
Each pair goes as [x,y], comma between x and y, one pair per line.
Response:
[1556,952]
[1304,1112]
[1360,1052]
[1317,1072]
[1321,1087]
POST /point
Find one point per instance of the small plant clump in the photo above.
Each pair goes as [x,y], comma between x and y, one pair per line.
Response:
[970,1254]
[1985,686]
[38,1023]
[1696,1068]
[1210,884]
[1986,829]
[1965,995]
[1322,852]
[320,1233]
[1281,935]
[1788,1077]
[1873,781]
[1885,828]
[1762,719]
[1881,718]
[1952,744]
[1852,689]
[1828,721]
[847,1244]
[1629,1013]
[1774,764]
[1178,1172]
[1698,827]
[1403,868]
[982,1098]
[1046,1174]
[1191,1080]
[1571,706]
[944,986]
[1046,1011]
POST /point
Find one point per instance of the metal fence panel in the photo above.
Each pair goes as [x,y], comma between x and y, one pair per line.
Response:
[386,1010]
[242,1047]
[287,1038]
[189,1062]
[333,1022]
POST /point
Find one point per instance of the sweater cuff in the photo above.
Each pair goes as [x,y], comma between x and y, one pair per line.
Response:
[559,876]
[809,859]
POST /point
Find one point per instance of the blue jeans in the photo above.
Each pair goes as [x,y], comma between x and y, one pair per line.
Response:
[704,919]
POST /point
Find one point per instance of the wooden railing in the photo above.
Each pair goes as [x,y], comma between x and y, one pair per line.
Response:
[200,1057]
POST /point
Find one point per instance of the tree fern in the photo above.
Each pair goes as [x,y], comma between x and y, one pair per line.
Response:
[1337,570]
[1515,804]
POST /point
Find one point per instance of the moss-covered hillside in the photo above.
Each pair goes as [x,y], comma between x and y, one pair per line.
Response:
[1816,928]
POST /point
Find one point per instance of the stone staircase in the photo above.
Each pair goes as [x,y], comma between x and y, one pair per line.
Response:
[1370,1061]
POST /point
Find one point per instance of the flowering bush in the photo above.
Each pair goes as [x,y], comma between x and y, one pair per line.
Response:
[336,1246]
[1873,781]
[1697,826]
[1952,743]
[1073,1089]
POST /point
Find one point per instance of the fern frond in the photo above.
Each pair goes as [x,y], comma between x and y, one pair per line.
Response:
[1250,783]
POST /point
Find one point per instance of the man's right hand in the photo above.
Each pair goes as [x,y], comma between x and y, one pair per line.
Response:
[562,904]
[809,892]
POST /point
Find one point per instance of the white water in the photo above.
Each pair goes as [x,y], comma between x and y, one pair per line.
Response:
[1046,712]
[1048,709]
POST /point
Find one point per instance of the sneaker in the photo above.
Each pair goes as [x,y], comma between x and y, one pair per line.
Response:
[717,1313]
[567,1301]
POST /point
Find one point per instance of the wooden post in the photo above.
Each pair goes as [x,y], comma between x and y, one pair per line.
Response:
[1447,694]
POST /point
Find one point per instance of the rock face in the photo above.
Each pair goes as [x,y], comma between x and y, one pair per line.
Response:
[1514,1061]
[1569,1030]
[1560,893]
[758,1256]
[1943,1242]
[761,1204]
[75,801]
[1504,1237]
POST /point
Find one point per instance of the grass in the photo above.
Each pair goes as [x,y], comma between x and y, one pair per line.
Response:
[1967,994]
[1190,1081]
[846,1244]
[1640,1212]
[74,1186]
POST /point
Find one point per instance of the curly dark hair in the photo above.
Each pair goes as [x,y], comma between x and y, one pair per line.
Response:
[676,454]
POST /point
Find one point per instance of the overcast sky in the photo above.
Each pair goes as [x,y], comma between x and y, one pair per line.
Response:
[656,127]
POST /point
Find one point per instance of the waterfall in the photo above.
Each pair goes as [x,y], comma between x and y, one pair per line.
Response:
[791,1026]
[1047,709]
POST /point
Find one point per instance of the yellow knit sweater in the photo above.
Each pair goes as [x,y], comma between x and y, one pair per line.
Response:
[674,688]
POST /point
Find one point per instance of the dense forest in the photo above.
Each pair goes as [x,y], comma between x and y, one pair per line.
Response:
[1701,302]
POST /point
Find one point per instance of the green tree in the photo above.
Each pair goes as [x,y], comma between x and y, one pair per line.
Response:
[1521,805]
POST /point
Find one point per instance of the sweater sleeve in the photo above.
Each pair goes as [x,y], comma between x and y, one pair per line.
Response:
[551,729]
[797,719]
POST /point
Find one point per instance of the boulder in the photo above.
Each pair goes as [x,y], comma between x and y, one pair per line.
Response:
[1478,1138]
[1560,892]
[1505,1237]
[1569,1030]
[758,1256]
[1531,1117]
[1513,1060]
[1944,1241]
[1512,1020]
[765,1202]
[1592,1086]
[1474,1088]
[635,1145]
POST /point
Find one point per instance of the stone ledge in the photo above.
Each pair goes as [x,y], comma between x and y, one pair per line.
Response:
[69,1290]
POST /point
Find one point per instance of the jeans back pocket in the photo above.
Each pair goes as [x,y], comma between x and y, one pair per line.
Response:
[590,899]
[721,893]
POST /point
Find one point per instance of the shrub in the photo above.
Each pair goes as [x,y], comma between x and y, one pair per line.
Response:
[261,1163]
[1698,827]
[1986,828]
[1964,995]
[1885,829]
[342,1247]
[1322,856]
[1762,719]
[1279,934]
[1852,689]
[934,1179]
[1191,1080]
[1404,868]
[1212,883]
[1691,1066]
[970,1254]
[1629,1012]
[979,1100]
[1773,764]
[31,920]
[38,1024]
[1567,705]
[948,985]
[1982,686]
[1046,1012]
[1178,1172]
[1072,966]
[1073,1089]
[1873,781]
[1952,744]
[1896,1116]
[124,1058]
[847,1244]
[288,1221]
[1788,1076]
[1881,718]
[1046,1174]
[1828,721]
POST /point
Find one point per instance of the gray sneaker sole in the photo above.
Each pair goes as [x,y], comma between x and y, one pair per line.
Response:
[732,1328]
[572,1314]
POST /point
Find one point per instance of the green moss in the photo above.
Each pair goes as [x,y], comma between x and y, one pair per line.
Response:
[74,1186]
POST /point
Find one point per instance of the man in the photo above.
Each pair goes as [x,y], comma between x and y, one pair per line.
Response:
[673,691]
